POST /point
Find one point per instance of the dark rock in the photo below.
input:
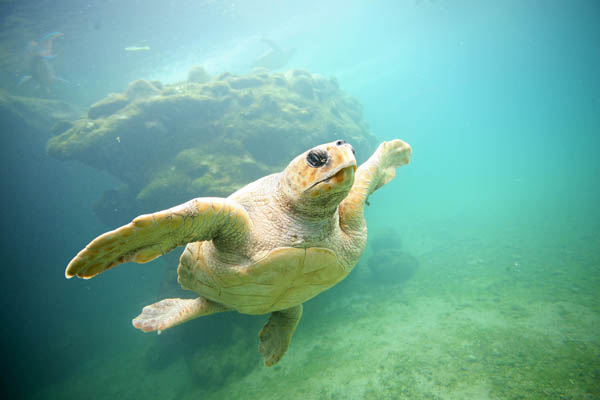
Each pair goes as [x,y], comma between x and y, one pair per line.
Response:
[300,72]
[218,88]
[391,266]
[225,76]
[107,106]
[198,75]
[245,82]
[303,86]
[34,114]
[279,80]
[140,89]
[61,126]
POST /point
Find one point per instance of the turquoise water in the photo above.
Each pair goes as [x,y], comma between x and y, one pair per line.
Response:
[492,292]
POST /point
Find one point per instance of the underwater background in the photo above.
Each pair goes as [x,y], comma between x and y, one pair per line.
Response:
[481,278]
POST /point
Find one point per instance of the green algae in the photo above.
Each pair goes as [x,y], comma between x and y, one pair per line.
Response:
[35,115]
[209,136]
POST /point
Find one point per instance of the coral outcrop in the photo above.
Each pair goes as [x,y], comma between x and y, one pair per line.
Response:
[206,136]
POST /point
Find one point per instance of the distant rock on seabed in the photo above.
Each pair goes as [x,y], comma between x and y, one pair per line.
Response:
[207,136]
[33,117]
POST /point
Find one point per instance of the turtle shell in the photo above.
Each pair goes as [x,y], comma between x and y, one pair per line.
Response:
[282,278]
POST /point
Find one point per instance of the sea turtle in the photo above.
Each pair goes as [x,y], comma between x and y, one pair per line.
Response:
[267,248]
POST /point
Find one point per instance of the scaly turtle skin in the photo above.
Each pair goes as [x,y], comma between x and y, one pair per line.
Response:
[267,248]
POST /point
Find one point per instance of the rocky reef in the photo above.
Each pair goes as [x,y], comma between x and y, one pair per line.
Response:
[34,117]
[207,136]
[387,262]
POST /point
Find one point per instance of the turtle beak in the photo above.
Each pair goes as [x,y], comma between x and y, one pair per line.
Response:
[342,170]
[342,173]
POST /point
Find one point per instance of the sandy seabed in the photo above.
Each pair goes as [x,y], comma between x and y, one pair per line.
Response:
[509,313]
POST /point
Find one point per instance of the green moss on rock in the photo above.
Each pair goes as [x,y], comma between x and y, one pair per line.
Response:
[198,75]
[34,115]
[140,89]
[168,143]
[61,126]
[107,106]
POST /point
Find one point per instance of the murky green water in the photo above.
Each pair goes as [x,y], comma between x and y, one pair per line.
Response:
[481,276]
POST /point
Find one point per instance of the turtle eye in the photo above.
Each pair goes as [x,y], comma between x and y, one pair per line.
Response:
[316,158]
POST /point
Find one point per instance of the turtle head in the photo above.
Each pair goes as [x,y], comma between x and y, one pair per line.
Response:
[316,181]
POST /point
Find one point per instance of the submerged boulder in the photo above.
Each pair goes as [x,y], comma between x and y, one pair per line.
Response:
[206,136]
[392,266]
[35,116]
[198,75]
[387,263]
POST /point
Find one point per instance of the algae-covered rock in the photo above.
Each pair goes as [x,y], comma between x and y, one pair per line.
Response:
[387,263]
[61,126]
[116,101]
[107,106]
[141,88]
[198,75]
[392,266]
[34,114]
[303,86]
[207,137]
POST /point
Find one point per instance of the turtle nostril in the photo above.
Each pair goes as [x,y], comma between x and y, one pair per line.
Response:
[340,142]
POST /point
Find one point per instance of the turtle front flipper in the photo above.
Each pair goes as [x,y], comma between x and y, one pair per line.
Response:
[275,337]
[378,170]
[167,313]
[151,235]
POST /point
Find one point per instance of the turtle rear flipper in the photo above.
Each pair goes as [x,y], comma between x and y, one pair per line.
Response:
[275,337]
[167,313]
[151,235]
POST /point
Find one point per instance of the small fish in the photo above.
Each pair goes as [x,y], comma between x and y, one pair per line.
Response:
[119,139]
[137,48]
